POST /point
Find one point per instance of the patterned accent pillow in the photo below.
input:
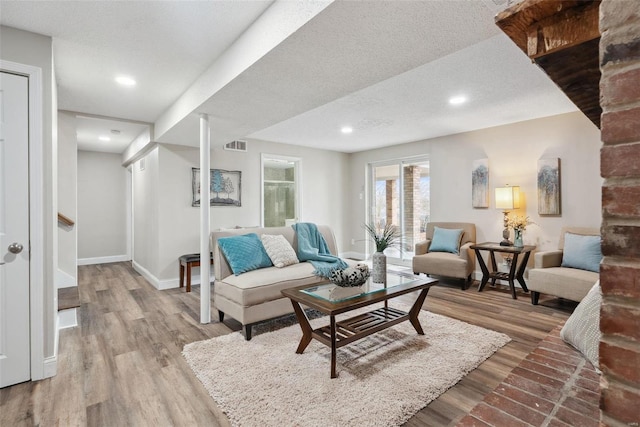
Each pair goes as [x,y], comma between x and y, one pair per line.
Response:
[279,250]
[244,253]
[582,329]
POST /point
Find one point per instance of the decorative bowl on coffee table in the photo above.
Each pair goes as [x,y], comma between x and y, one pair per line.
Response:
[351,276]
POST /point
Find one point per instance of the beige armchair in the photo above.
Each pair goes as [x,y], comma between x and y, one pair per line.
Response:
[548,277]
[447,264]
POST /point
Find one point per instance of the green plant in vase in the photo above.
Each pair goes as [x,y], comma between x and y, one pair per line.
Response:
[383,238]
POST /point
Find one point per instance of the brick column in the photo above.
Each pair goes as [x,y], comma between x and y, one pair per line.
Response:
[411,232]
[620,167]
[391,188]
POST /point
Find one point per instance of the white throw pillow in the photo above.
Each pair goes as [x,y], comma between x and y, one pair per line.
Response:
[279,250]
[582,329]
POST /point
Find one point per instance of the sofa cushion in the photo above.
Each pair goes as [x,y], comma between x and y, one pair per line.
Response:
[258,286]
[569,283]
[446,240]
[279,250]
[582,252]
[244,253]
[582,329]
[441,264]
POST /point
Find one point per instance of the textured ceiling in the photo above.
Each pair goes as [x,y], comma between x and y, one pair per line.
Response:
[164,45]
[502,86]
[386,68]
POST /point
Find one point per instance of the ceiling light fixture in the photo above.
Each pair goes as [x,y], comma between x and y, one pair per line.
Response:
[457,100]
[125,81]
[346,129]
[104,138]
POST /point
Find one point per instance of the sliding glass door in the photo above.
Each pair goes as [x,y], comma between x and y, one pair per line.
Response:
[400,197]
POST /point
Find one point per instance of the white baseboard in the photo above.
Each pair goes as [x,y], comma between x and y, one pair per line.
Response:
[353,255]
[167,283]
[50,367]
[103,260]
[146,274]
[64,280]
[67,318]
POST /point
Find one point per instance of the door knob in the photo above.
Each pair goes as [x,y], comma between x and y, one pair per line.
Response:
[15,248]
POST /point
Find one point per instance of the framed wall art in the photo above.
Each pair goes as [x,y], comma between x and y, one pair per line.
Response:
[480,184]
[225,187]
[549,186]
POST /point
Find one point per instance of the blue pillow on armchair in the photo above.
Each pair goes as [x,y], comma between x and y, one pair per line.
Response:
[446,240]
[582,251]
[244,253]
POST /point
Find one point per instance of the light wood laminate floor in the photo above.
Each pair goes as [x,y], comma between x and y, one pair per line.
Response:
[122,366]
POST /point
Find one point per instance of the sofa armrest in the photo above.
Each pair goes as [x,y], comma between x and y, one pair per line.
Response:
[548,259]
[466,252]
[422,247]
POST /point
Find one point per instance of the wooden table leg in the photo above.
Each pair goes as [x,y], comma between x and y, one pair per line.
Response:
[333,346]
[181,274]
[494,267]
[415,311]
[303,321]
[520,274]
[485,271]
[512,273]
[189,267]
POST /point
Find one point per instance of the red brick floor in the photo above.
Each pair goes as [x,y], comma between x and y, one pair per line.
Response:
[553,386]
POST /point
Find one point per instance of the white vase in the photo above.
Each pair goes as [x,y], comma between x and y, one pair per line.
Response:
[379,273]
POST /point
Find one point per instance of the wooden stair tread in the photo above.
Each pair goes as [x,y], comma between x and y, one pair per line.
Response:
[68,298]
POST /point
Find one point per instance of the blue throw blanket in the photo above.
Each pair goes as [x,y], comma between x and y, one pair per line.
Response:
[313,248]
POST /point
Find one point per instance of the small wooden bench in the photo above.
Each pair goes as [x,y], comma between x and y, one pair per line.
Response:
[187,262]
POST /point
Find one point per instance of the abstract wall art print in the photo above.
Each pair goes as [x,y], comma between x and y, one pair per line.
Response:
[480,184]
[549,186]
[225,187]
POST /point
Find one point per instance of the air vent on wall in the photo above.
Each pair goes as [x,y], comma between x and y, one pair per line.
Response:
[237,145]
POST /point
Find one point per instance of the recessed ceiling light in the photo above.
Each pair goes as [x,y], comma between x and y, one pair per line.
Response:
[346,129]
[125,81]
[104,138]
[457,100]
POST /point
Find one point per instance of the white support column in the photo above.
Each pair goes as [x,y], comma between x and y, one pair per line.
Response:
[205,208]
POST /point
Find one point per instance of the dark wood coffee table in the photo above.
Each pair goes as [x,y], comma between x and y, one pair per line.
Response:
[333,300]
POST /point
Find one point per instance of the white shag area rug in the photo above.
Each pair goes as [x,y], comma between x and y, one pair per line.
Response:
[383,379]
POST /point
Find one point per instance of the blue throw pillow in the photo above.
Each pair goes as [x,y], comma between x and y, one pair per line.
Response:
[582,252]
[244,253]
[446,240]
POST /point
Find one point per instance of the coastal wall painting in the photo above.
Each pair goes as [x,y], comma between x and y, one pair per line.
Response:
[225,187]
[480,184]
[549,186]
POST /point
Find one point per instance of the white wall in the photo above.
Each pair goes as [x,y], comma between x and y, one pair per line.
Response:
[67,203]
[102,208]
[36,50]
[513,152]
[146,215]
[323,200]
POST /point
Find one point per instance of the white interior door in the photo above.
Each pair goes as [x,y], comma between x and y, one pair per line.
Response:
[14,230]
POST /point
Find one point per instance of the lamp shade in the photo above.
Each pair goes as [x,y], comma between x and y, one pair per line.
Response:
[507,197]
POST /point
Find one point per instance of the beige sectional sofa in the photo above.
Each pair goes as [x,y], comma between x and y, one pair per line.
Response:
[549,277]
[255,296]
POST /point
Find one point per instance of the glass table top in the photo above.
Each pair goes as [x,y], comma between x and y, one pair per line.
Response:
[335,293]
